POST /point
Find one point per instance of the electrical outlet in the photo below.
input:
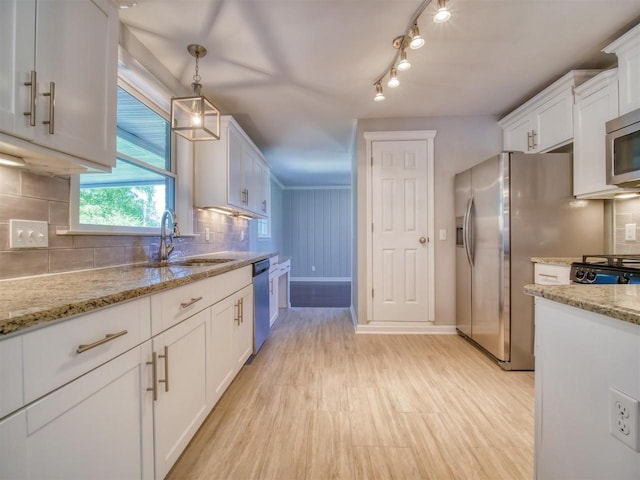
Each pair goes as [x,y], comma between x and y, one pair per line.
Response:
[623,418]
[207,234]
[313,268]
[630,231]
[28,234]
[443,234]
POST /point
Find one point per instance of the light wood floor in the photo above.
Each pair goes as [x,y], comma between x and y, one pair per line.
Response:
[320,402]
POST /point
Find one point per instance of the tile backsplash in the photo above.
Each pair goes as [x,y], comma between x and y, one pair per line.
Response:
[626,212]
[30,196]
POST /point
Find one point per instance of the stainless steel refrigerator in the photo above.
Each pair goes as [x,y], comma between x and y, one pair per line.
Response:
[510,208]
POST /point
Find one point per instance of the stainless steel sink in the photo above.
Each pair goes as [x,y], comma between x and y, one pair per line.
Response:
[190,262]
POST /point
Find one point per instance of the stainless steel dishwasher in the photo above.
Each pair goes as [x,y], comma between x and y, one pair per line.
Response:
[261,326]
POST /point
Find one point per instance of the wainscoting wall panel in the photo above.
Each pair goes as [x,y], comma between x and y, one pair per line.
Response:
[317,232]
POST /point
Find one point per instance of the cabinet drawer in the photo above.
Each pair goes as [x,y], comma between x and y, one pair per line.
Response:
[173,306]
[552,274]
[50,354]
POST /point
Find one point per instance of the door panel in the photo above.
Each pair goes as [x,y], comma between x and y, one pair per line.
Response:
[488,278]
[399,203]
[463,267]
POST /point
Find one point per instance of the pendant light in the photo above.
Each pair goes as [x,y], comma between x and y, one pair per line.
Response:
[195,117]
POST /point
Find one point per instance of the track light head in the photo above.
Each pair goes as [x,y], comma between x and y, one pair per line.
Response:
[379,95]
[416,40]
[443,14]
[393,79]
[404,64]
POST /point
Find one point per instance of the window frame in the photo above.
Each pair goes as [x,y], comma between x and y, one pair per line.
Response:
[74,198]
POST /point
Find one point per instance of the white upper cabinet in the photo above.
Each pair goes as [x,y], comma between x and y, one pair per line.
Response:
[230,173]
[67,50]
[596,103]
[627,48]
[546,121]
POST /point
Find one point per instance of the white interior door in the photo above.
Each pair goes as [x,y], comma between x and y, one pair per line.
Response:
[400,253]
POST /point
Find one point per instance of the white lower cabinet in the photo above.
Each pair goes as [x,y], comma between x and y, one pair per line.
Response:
[231,340]
[100,426]
[181,405]
[115,401]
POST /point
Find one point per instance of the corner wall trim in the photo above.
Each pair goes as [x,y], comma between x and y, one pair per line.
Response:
[354,318]
[405,328]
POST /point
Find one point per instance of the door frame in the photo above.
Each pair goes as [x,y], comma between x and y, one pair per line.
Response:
[402,327]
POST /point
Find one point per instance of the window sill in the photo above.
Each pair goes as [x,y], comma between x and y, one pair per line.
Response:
[121,233]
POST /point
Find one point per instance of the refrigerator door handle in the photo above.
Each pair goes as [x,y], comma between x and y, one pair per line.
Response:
[467,231]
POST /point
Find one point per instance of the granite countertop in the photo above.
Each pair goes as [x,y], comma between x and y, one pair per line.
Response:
[616,301]
[563,261]
[32,301]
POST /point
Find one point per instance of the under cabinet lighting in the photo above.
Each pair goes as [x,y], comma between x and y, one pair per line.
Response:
[11,161]
[625,196]
[219,210]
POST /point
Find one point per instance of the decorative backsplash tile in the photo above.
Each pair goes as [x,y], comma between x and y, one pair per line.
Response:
[626,212]
[29,196]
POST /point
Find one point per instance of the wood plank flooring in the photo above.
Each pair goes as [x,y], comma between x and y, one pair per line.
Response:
[320,402]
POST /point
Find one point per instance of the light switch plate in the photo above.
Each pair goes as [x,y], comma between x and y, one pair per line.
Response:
[28,234]
[630,231]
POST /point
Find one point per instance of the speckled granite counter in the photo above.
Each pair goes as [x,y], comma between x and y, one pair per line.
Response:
[27,302]
[616,301]
[564,261]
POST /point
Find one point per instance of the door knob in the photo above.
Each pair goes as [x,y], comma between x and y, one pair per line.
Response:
[423,240]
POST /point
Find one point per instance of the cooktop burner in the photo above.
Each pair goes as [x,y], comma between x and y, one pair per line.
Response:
[602,269]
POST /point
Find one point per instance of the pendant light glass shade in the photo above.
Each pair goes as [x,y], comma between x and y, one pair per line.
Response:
[195,117]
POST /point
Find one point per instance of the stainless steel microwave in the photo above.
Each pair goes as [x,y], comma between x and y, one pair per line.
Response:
[623,150]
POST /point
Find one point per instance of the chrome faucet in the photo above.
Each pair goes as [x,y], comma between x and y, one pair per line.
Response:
[166,249]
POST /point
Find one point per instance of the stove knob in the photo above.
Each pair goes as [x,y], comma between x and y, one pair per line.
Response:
[580,274]
[591,276]
[623,279]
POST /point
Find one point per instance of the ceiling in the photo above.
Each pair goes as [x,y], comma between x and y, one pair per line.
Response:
[297,74]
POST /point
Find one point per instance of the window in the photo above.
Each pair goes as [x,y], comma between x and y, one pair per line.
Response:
[142,184]
[264,228]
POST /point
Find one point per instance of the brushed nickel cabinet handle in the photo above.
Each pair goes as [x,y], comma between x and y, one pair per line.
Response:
[242,310]
[534,139]
[528,141]
[32,98]
[188,304]
[166,369]
[271,286]
[107,338]
[236,313]
[154,376]
[52,107]
[264,206]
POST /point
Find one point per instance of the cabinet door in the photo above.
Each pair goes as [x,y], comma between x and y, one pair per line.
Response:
[244,330]
[222,366]
[591,114]
[76,48]
[17,45]
[236,186]
[99,426]
[515,136]
[554,122]
[181,406]
[273,297]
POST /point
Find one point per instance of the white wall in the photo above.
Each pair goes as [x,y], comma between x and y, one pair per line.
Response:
[460,142]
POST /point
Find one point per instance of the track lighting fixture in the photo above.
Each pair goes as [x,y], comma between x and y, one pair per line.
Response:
[195,117]
[416,40]
[404,64]
[410,39]
[393,80]
[443,14]
[379,95]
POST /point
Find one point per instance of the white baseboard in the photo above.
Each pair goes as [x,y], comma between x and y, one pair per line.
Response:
[354,318]
[406,328]
[320,279]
